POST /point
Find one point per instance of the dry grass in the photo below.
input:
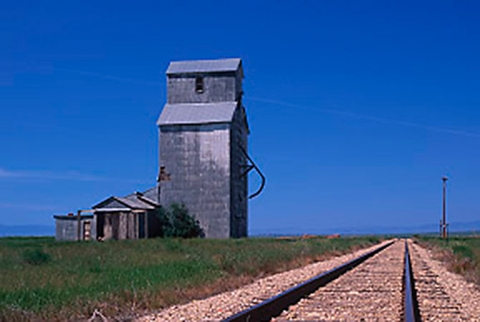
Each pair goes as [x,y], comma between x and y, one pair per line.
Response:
[47,280]
[460,255]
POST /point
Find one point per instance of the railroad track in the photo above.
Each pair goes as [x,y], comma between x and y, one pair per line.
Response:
[437,302]
[377,286]
[396,281]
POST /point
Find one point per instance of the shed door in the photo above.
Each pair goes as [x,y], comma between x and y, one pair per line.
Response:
[86,229]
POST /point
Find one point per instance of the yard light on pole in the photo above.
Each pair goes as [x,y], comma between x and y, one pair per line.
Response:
[444,213]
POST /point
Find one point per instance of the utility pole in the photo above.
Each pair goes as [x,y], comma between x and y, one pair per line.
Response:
[444,215]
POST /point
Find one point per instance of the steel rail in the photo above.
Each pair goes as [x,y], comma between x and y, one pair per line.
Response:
[274,306]
[411,312]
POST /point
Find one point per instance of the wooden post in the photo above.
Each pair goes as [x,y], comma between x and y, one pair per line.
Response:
[79,213]
[145,223]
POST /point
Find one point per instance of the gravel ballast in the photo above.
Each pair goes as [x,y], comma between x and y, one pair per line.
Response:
[223,305]
[442,295]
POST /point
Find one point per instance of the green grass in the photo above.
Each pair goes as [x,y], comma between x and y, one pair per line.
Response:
[461,254]
[41,278]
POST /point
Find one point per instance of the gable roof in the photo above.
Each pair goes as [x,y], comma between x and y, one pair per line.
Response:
[147,200]
[204,66]
[123,203]
[199,113]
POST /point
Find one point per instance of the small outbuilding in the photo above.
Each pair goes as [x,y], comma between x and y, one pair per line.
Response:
[130,217]
[75,227]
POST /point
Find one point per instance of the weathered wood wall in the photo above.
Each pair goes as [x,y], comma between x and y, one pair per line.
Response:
[66,228]
[121,225]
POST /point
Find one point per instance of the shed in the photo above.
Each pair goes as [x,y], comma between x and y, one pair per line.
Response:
[75,227]
[130,217]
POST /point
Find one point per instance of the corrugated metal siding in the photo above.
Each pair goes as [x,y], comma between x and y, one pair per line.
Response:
[197,159]
[152,194]
[222,88]
[239,183]
[200,136]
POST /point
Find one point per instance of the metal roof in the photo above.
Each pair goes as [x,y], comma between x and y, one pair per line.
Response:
[139,197]
[135,203]
[129,201]
[204,66]
[200,113]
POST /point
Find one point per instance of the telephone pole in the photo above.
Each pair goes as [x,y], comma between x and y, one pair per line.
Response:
[444,214]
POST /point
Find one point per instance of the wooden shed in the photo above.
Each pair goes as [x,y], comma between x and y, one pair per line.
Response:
[75,227]
[130,217]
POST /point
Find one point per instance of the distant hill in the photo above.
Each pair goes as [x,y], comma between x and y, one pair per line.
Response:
[27,230]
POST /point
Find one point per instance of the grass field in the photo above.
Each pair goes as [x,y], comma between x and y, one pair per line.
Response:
[460,254]
[41,278]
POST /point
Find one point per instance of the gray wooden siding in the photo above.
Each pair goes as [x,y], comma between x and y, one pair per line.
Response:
[120,225]
[67,228]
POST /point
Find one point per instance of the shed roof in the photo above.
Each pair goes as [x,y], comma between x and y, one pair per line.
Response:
[204,66]
[200,113]
[74,217]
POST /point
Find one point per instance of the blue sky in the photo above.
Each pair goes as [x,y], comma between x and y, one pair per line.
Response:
[356,108]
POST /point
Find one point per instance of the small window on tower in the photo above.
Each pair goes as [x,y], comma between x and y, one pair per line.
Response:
[199,84]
